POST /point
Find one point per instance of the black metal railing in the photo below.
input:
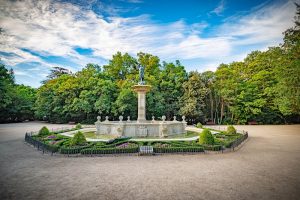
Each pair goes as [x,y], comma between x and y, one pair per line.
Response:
[45,148]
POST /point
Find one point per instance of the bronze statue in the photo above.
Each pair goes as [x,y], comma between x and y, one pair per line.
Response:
[141,73]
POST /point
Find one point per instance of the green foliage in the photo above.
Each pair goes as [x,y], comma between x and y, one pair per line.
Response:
[44,131]
[16,101]
[109,150]
[199,125]
[178,149]
[78,126]
[264,87]
[193,98]
[231,130]
[206,137]
[78,139]
[212,147]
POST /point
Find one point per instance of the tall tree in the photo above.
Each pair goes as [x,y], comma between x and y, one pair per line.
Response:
[192,102]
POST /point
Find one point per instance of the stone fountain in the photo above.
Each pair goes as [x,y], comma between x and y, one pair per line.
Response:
[141,127]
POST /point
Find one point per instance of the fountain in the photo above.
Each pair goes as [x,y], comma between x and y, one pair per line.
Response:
[141,127]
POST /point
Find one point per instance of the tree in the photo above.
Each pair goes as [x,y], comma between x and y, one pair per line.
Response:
[56,72]
[172,77]
[288,73]
[16,101]
[192,101]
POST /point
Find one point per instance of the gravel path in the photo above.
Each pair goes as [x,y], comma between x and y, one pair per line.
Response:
[267,166]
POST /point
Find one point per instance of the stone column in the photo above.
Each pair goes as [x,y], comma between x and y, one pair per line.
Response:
[141,90]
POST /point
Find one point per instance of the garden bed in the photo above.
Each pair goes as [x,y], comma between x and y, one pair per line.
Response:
[55,143]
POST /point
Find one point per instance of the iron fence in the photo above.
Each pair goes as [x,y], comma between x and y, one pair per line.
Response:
[41,146]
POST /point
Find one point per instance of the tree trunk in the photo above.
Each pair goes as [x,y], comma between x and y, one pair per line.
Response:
[211,107]
[222,111]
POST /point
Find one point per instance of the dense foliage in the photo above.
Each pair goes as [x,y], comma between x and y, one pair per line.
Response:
[44,131]
[231,130]
[264,88]
[206,137]
[16,101]
[78,139]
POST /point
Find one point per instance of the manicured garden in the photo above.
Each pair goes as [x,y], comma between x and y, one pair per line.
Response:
[55,142]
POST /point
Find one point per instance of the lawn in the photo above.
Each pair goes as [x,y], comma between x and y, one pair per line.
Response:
[93,135]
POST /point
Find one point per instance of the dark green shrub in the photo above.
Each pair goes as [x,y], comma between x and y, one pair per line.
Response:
[178,149]
[78,139]
[78,126]
[213,147]
[71,150]
[109,150]
[44,131]
[199,125]
[231,130]
[206,137]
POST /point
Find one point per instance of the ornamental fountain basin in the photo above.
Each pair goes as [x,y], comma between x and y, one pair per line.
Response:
[145,128]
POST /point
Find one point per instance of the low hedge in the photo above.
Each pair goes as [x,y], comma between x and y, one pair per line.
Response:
[109,150]
[72,150]
[178,149]
[213,147]
[51,148]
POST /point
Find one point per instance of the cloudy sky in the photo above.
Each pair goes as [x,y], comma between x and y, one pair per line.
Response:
[37,35]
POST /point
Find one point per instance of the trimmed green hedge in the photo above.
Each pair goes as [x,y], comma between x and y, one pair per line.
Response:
[231,130]
[178,149]
[213,147]
[72,150]
[206,137]
[109,150]
[78,139]
[44,131]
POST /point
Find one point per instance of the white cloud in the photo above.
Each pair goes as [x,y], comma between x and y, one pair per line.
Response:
[55,29]
[219,9]
[264,25]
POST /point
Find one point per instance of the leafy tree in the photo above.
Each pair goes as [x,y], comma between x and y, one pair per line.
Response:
[172,78]
[192,101]
[56,72]
[16,101]
[288,73]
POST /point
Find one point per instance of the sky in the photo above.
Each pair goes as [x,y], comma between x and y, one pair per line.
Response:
[38,35]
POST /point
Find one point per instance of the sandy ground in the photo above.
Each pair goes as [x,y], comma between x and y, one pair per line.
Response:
[267,166]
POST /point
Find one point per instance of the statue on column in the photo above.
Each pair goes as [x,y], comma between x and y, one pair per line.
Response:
[141,73]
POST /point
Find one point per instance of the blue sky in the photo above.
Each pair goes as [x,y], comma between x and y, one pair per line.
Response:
[38,35]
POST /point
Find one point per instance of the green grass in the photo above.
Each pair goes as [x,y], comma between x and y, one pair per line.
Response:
[93,135]
[189,134]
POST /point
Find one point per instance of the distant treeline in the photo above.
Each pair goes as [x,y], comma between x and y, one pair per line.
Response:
[264,88]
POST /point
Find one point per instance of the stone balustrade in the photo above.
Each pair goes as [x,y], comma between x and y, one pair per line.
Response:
[129,128]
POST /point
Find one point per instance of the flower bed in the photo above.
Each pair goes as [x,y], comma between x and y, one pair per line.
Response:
[54,142]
